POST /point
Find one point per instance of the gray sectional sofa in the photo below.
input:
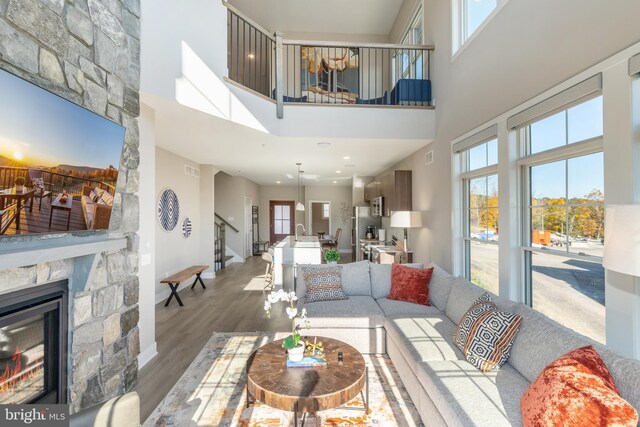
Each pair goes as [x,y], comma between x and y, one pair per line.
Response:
[446,389]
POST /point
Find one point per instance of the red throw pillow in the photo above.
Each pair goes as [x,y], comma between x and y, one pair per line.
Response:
[410,284]
[576,390]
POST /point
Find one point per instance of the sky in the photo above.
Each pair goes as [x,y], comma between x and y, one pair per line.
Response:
[477,12]
[584,174]
[48,130]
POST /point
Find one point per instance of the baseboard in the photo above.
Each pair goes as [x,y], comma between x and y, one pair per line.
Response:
[149,353]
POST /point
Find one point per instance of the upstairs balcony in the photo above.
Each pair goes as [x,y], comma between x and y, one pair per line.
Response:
[335,73]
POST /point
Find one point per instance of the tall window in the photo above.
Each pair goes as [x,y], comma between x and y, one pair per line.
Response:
[409,63]
[326,210]
[564,222]
[469,15]
[480,184]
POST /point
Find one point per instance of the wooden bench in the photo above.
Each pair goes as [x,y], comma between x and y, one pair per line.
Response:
[174,281]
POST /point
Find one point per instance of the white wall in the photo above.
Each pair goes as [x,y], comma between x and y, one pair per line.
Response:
[173,251]
[207,229]
[337,196]
[147,235]
[230,194]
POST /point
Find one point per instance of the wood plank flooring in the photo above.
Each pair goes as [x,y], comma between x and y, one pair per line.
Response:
[232,302]
[37,221]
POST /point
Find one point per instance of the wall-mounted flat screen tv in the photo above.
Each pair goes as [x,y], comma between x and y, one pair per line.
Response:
[58,162]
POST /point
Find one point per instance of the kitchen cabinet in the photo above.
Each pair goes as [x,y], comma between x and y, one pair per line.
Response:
[371,191]
[396,188]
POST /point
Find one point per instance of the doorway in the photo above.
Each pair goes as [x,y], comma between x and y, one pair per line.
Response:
[281,219]
[319,218]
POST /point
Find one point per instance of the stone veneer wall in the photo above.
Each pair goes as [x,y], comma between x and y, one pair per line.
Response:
[87,51]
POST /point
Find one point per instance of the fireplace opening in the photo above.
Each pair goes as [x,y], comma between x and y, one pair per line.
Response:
[33,345]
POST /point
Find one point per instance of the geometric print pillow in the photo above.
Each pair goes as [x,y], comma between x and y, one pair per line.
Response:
[487,334]
[323,284]
[479,307]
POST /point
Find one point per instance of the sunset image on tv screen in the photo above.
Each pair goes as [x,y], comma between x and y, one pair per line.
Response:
[58,162]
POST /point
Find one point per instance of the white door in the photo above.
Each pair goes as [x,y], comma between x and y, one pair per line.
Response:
[248,228]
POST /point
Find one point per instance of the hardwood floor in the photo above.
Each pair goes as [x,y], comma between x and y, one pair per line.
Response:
[232,302]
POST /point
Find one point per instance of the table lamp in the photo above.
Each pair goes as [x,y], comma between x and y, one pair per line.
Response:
[406,219]
[622,239]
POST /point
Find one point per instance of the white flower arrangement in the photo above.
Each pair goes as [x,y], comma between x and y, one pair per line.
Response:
[290,297]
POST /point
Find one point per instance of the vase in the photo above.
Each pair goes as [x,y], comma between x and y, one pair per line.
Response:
[332,262]
[296,354]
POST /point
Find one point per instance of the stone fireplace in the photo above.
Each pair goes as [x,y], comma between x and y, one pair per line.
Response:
[87,51]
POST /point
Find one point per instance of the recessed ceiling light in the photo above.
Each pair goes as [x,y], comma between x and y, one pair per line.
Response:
[277,182]
[324,144]
[346,158]
[251,56]
[338,171]
[335,182]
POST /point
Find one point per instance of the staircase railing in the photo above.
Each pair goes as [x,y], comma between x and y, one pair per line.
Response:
[219,245]
[224,221]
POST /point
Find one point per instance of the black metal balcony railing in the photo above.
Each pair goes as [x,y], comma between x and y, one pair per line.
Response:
[54,182]
[326,73]
[250,55]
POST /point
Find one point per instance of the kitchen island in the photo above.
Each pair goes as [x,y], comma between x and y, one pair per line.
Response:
[291,252]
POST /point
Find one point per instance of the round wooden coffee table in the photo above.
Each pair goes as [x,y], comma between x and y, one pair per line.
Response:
[306,389]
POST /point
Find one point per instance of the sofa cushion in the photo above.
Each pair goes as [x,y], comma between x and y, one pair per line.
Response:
[408,309]
[440,287]
[355,312]
[551,340]
[381,278]
[463,294]
[574,388]
[467,397]
[106,198]
[410,284]
[422,338]
[322,284]
[355,279]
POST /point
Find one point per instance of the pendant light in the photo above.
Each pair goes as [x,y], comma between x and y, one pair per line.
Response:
[299,205]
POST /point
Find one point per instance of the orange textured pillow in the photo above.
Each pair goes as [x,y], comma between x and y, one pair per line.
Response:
[576,390]
[410,284]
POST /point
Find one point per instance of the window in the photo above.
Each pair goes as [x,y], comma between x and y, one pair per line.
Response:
[480,239]
[564,222]
[469,15]
[326,210]
[409,63]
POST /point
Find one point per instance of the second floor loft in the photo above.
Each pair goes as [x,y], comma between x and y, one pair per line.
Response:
[220,70]
[326,72]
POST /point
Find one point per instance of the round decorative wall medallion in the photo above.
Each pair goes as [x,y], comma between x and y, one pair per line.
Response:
[168,209]
[186,228]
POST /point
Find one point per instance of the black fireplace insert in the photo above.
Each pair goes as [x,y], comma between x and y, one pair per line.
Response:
[33,345]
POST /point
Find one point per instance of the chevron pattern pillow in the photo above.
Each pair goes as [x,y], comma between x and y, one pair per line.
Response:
[323,284]
[485,334]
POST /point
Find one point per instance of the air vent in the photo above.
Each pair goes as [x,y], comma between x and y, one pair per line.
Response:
[428,157]
[191,171]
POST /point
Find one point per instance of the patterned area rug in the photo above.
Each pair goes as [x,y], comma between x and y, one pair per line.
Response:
[212,393]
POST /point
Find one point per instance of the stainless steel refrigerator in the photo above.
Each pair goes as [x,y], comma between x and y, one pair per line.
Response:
[360,220]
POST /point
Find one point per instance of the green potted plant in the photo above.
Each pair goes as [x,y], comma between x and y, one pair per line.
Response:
[293,344]
[19,182]
[332,256]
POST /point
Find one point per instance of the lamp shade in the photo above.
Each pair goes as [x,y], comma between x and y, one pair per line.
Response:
[622,239]
[406,219]
[299,206]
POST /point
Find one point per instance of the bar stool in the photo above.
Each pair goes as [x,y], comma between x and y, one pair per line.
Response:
[268,273]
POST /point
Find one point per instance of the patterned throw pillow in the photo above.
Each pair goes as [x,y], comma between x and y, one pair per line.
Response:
[485,334]
[576,390]
[323,284]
